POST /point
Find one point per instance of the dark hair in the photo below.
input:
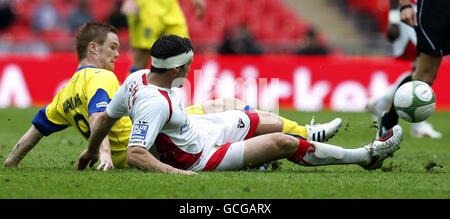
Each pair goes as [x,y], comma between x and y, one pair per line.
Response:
[91,32]
[168,46]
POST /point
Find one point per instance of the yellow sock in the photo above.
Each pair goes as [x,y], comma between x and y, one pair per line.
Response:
[293,128]
[195,109]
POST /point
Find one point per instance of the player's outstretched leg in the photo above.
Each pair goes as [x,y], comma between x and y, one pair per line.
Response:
[270,147]
[270,123]
[369,157]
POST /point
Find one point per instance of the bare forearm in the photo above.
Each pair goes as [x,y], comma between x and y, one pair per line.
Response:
[17,154]
[23,146]
[100,124]
[105,146]
[140,158]
[149,163]
[96,139]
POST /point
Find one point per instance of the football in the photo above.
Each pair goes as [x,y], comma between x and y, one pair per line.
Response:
[414,101]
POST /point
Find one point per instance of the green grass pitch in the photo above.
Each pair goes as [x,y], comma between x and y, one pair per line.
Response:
[418,170]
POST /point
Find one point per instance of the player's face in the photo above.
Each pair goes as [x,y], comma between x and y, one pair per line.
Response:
[184,71]
[181,75]
[109,52]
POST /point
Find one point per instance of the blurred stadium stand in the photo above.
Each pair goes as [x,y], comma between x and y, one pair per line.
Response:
[278,25]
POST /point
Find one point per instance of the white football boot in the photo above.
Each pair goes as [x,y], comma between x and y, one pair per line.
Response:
[323,132]
[383,148]
[424,130]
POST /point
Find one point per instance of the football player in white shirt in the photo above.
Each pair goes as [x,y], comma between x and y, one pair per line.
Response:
[229,140]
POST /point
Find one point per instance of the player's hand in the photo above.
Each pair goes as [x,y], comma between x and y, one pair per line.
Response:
[105,162]
[199,6]
[129,7]
[188,172]
[85,159]
[409,16]
[185,172]
[11,163]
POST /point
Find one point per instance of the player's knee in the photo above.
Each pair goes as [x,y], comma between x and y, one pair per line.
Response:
[286,144]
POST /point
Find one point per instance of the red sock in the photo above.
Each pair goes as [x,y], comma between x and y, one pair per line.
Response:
[303,148]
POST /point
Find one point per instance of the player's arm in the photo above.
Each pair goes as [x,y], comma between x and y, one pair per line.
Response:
[407,13]
[100,125]
[141,158]
[105,151]
[99,90]
[23,146]
[106,162]
[153,112]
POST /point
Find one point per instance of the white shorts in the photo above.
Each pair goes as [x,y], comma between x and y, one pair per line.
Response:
[225,148]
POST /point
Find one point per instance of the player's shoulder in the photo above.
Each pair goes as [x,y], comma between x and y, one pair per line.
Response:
[105,73]
[99,75]
[151,92]
[142,71]
[135,76]
[150,99]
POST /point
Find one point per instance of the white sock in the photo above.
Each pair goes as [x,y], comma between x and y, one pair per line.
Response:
[326,154]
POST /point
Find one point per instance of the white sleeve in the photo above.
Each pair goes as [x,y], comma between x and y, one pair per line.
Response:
[118,106]
[151,115]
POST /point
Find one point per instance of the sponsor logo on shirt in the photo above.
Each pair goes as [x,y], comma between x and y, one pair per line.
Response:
[139,132]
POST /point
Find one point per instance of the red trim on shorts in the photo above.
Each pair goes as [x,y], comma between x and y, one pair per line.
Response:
[166,95]
[144,79]
[217,157]
[170,154]
[254,121]
[303,148]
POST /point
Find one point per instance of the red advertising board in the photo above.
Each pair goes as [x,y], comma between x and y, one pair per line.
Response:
[269,81]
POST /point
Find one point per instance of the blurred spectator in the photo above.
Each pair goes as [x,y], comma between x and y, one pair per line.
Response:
[6,13]
[239,41]
[116,18]
[45,17]
[312,46]
[27,48]
[79,16]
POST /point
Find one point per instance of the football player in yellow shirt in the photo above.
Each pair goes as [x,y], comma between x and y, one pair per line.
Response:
[88,92]
[148,20]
